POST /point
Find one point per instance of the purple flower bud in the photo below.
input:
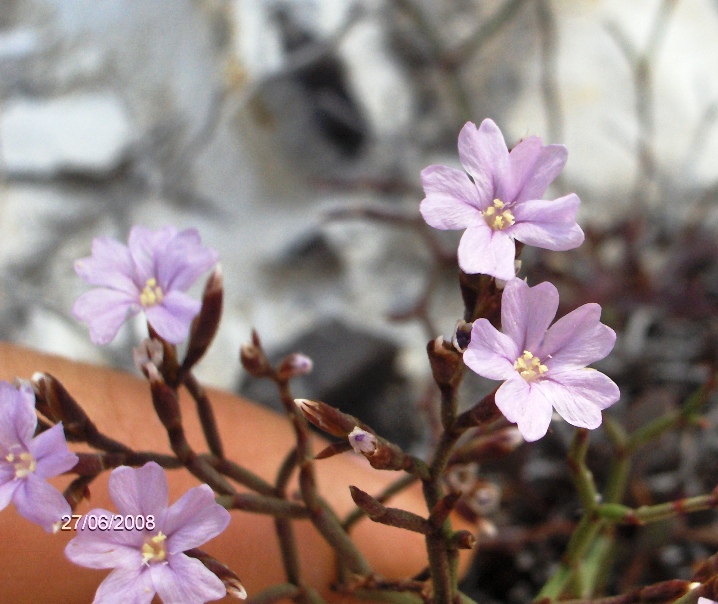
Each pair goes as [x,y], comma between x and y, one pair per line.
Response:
[363,442]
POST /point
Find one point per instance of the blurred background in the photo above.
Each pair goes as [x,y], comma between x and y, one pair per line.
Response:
[292,133]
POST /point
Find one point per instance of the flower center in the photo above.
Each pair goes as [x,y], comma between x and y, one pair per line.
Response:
[154,549]
[23,461]
[152,294]
[530,367]
[498,218]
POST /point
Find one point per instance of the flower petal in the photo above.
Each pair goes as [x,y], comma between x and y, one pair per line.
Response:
[104,310]
[488,252]
[523,404]
[127,586]
[527,312]
[580,395]
[145,245]
[51,453]
[452,200]
[548,224]
[17,415]
[186,580]
[172,319]
[534,167]
[484,155]
[139,490]
[194,519]
[109,266]
[8,484]
[183,261]
[491,353]
[104,549]
[577,339]
[40,502]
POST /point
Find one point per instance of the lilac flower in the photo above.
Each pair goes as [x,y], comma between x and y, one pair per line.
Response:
[151,274]
[27,462]
[151,560]
[500,200]
[544,367]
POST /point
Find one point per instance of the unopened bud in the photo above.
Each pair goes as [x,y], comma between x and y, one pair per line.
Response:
[253,358]
[363,442]
[446,364]
[205,324]
[327,418]
[149,352]
[294,365]
[222,571]
[462,335]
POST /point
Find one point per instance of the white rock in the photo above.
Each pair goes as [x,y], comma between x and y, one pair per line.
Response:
[80,133]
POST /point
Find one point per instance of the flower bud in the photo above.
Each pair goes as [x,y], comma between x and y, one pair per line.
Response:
[224,573]
[205,324]
[327,418]
[363,442]
[149,352]
[462,335]
[446,364]
[253,358]
[294,365]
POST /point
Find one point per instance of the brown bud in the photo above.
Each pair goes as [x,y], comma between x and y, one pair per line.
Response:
[462,335]
[205,324]
[224,573]
[294,365]
[78,490]
[149,352]
[56,403]
[447,365]
[253,358]
[327,418]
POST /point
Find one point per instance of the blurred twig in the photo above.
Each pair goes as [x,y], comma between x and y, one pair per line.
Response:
[641,64]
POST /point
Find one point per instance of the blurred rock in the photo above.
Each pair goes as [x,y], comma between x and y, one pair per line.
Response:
[87,134]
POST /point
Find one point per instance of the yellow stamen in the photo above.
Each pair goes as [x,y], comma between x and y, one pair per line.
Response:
[24,463]
[152,293]
[529,366]
[498,221]
[154,549]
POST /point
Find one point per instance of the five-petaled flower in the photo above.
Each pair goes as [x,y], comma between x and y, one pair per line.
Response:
[151,560]
[544,367]
[151,274]
[27,462]
[500,200]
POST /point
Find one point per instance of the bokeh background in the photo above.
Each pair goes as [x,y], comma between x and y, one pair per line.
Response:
[292,133]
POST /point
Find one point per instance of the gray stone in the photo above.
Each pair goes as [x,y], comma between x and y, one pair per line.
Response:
[79,133]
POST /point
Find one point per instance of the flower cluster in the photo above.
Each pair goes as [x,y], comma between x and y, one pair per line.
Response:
[497,200]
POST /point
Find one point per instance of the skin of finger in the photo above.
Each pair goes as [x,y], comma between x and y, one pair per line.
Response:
[33,567]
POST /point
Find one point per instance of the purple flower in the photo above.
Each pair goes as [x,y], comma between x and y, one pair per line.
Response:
[151,561]
[500,200]
[27,462]
[151,274]
[544,367]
